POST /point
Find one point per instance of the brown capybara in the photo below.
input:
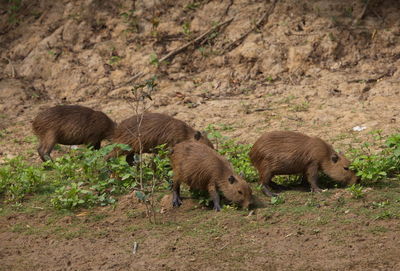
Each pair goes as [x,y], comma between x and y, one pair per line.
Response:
[155,129]
[70,125]
[203,168]
[285,152]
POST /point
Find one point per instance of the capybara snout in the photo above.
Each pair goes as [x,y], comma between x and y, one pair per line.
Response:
[70,125]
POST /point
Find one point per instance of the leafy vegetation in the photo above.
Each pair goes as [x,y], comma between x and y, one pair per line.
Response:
[82,178]
[374,166]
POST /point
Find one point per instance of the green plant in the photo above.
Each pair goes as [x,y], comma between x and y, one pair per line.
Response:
[17,179]
[154,59]
[85,179]
[14,7]
[186,29]
[277,200]
[192,6]
[356,191]
[114,60]
[303,107]
[131,20]
[373,166]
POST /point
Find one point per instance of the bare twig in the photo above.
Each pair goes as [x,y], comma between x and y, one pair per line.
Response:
[136,76]
[359,17]
[259,23]
[228,7]
[202,36]
[369,80]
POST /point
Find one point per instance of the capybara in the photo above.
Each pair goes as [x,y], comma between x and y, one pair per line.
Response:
[285,152]
[146,131]
[203,168]
[70,125]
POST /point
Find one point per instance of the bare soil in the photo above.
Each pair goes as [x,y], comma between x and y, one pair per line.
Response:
[308,66]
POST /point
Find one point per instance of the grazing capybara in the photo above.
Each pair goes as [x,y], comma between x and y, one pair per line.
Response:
[70,125]
[203,168]
[146,131]
[285,152]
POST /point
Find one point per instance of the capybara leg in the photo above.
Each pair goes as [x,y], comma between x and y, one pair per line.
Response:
[45,148]
[265,180]
[176,197]
[215,197]
[97,145]
[312,177]
[130,159]
[304,182]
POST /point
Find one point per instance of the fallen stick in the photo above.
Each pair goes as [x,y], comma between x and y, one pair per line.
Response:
[183,47]
[265,16]
[356,20]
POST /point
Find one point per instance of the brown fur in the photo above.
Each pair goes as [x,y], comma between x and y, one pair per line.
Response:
[203,168]
[155,129]
[70,125]
[284,152]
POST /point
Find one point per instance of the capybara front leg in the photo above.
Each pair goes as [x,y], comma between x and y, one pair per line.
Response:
[176,194]
[212,191]
[312,177]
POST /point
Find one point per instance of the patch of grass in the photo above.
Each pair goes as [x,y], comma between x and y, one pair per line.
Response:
[302,107]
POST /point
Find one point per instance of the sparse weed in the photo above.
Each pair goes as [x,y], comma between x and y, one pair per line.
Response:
[278,200]
[356,191]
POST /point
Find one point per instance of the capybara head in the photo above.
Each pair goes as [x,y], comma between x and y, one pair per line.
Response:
[202,138]
[237,190]
[338,168]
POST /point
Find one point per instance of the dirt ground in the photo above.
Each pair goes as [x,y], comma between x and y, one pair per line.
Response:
[320,67]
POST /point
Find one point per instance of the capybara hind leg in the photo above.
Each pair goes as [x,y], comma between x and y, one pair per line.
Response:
[176,197]
[45,149]
[265,180]
[312,177]
[96,145]
[212,191]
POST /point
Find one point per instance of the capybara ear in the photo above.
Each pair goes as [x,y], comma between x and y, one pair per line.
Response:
[335,157]
[197,135]
[232,179]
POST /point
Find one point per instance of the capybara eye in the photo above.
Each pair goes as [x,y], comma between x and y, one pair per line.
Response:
[346,168]
[240,192]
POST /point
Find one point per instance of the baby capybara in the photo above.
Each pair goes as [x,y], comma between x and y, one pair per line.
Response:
[70,125]
[284,152]
[146,131]
[203,168]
